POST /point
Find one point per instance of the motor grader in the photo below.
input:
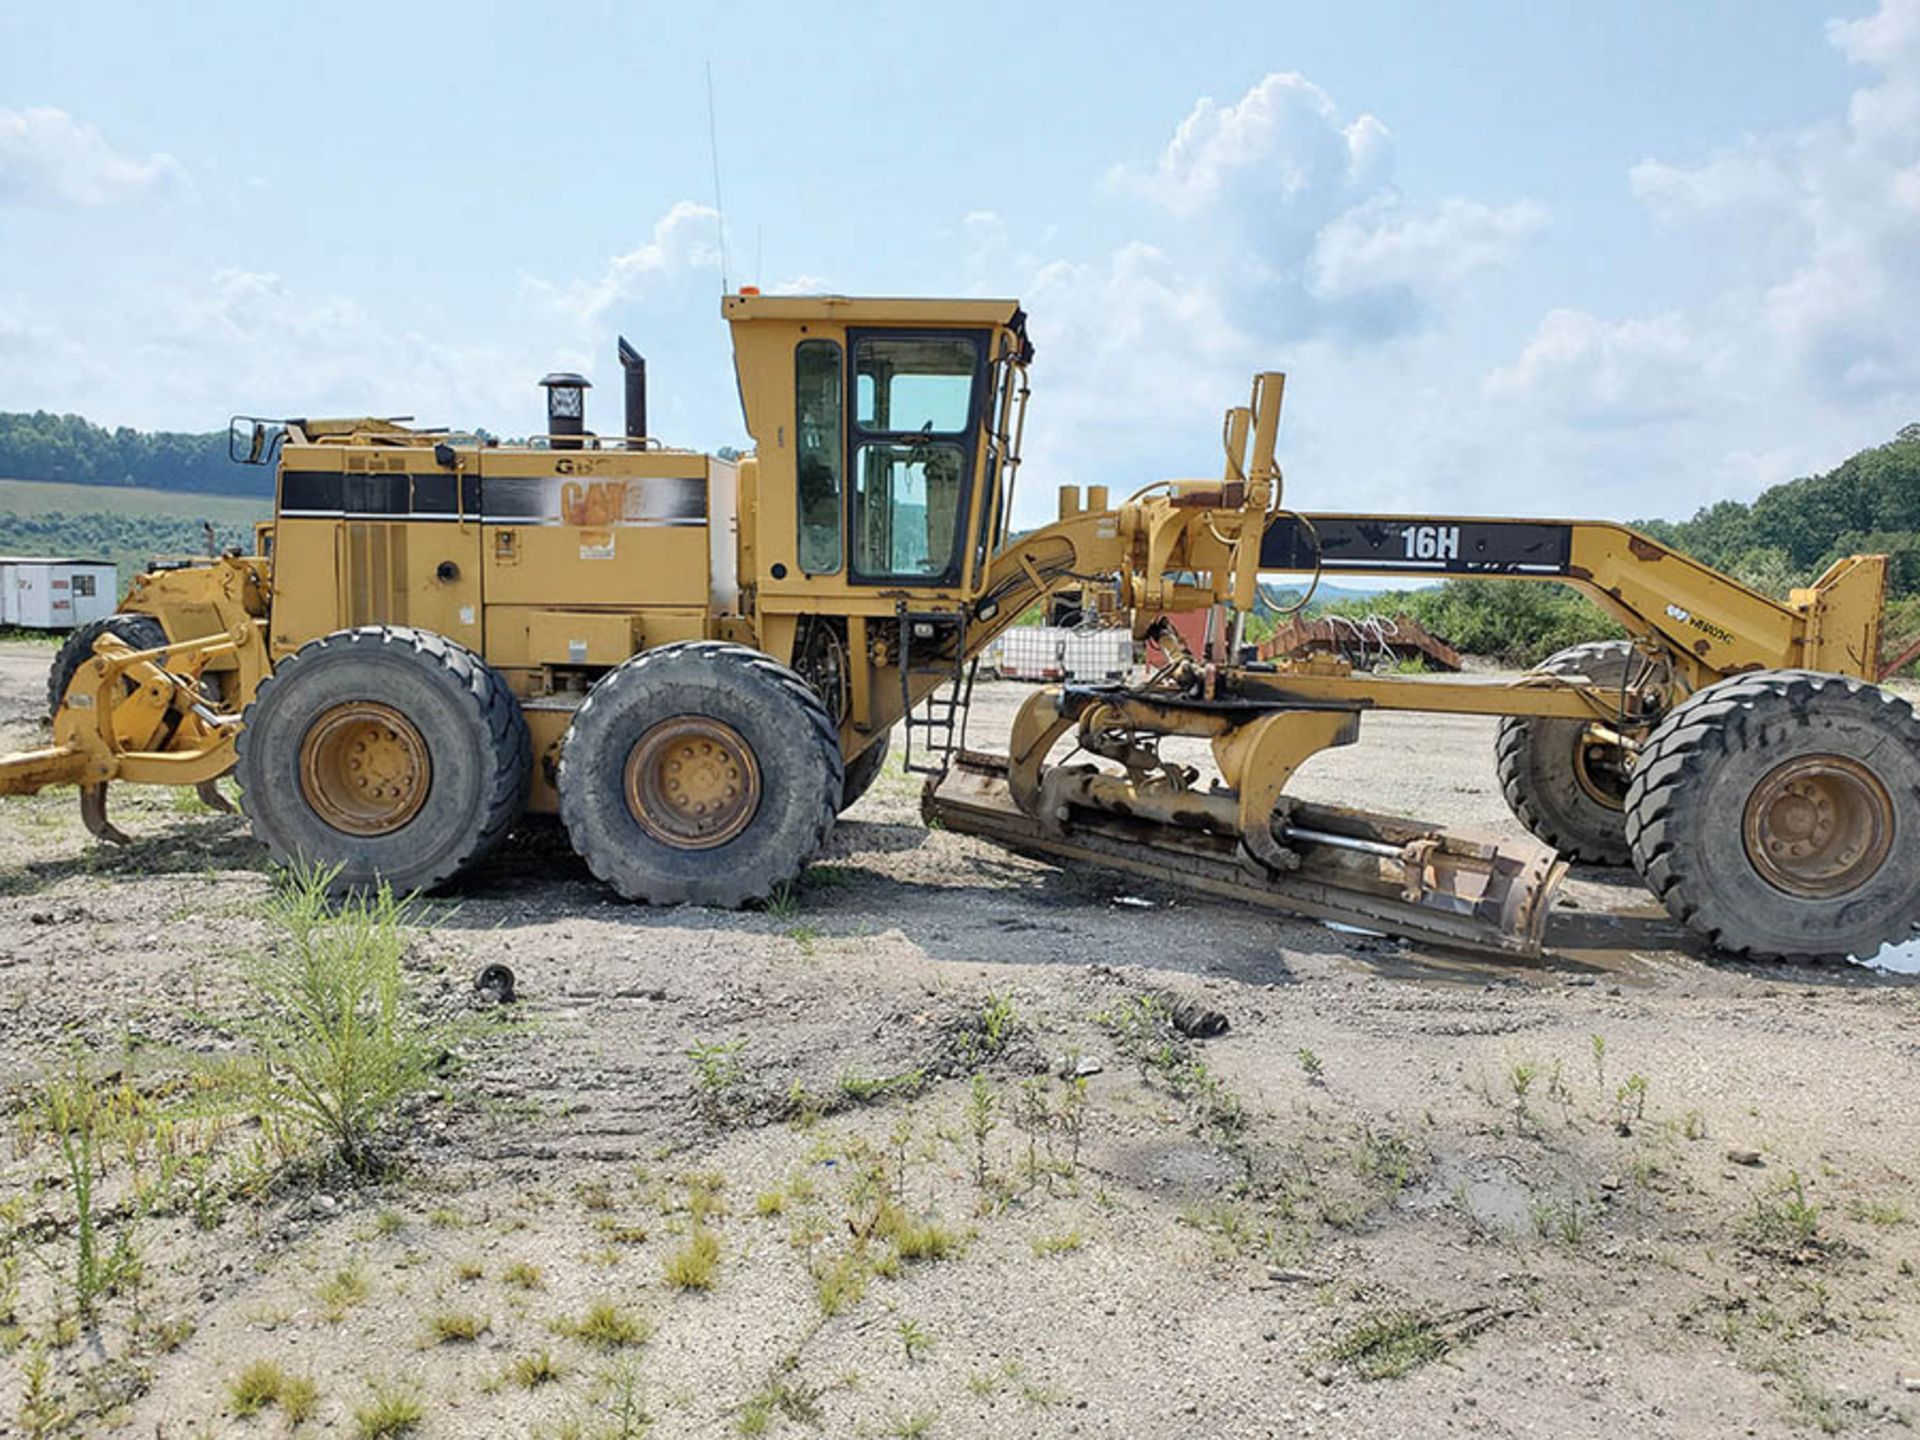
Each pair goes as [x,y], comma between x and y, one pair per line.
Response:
[697,662]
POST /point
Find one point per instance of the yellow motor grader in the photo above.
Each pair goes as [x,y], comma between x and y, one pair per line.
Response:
[698,663]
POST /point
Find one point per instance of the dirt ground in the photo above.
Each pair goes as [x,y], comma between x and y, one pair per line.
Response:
[1632,1189]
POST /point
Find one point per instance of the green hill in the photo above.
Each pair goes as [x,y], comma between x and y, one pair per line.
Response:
[127,525]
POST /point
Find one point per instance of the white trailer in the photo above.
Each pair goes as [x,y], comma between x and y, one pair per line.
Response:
[40,592]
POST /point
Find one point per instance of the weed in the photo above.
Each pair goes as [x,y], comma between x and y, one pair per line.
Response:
[443,1218]
[780,1395]
[717,1068]
[338,1042]
[770,1202]
[911,1426]
[1597,1044]
[1311,1067]
[41,1413]
[1630,1104]
[387,1414]
[1553,1220]
[980,1124]
[1389,1345]
[343,1290]
[530,1372]
[697,1263]
[457,1327]
[784,902]
[1520,1077]
[914,1340]
[1063,1244]
[841,1283]
[1785,1223]
[75,1111]
[468,1271]
[389,1223]
[804,936]
[299,1398]
[523,1276]
[866,1090]
[264,1383]
[998,1019]
[1875,1212]
[606,1327]
[1694,1126]
[826,877]
[619,1395]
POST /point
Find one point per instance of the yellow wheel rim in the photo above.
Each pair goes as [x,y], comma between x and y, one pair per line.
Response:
[692,782]
[1819,826]
[364,768]
[1600,766]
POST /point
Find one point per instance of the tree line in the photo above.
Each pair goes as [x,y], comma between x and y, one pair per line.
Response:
[43,446]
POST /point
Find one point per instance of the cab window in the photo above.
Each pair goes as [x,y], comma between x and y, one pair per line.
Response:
[818,453]
[914,421]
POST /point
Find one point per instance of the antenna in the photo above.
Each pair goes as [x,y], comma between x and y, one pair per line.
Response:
[719,211]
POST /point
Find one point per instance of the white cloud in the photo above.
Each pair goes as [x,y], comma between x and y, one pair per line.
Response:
[1819,231]
[685,239]
[1590,371]
[1389,246]
[1288,208]
[48,157]
[1282,143]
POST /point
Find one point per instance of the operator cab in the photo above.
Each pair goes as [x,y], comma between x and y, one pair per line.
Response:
[886,435]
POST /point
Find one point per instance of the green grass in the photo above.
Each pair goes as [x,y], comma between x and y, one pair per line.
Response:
[605,1326]
[387,1415]
[264,1383]
[457,1327]
[1389,1345]
[530,1372]
[38,498]
[696,1264]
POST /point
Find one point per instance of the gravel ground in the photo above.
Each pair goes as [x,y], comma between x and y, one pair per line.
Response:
[1628,1189]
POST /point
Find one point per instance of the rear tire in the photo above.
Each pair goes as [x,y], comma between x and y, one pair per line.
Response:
[1775,814]
[428,721]
[863,770]
[141,632]
[700,773]
[1565,789]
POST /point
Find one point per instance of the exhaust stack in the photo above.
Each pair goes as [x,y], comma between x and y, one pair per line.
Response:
[634,366]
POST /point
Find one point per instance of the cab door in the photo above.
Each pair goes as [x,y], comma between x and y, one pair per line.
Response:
[913,437]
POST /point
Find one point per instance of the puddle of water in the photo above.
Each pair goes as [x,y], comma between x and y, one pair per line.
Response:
[1900,959]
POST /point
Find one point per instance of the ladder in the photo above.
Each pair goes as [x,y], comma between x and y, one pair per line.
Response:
[941,719]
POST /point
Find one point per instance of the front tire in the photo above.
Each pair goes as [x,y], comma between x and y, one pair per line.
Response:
[700,773]
[1776,815]
[1564,785]
[138,632]
[394,754]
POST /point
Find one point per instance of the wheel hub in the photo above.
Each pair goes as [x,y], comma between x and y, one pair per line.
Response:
[1602,768]
[364,768]
[1819,826]
[692,782]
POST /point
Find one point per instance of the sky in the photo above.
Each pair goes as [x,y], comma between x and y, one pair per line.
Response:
[1533,257]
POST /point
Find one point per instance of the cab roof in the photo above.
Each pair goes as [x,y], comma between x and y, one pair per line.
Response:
[869,310]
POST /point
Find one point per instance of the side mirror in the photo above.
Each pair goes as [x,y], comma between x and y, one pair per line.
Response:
[254,442]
